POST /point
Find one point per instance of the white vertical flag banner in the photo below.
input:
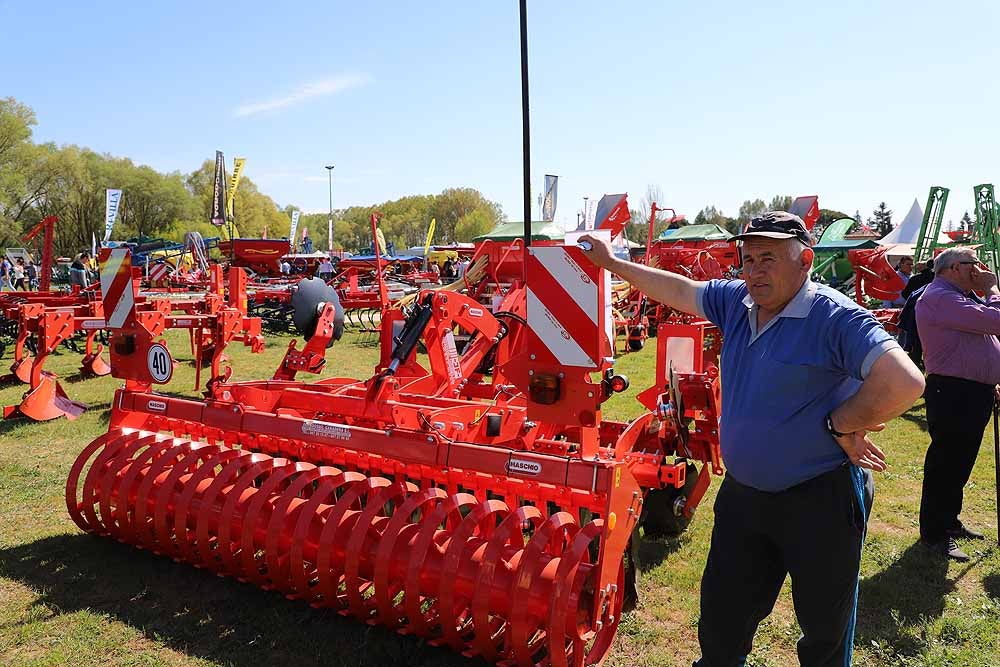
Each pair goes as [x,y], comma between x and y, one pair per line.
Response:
[295,224]
[549,201]
[112,198]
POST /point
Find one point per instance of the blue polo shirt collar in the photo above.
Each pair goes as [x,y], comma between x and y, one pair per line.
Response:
[797,308]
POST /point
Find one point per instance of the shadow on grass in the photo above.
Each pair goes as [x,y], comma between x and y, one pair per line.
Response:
[916,416]
[200,614]
[906,593]
[77,378]
[992,585]
[10,380]
[653,552]
[8,425]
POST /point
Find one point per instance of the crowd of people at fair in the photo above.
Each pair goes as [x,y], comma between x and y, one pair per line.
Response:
[447,270]
[18,275]
[24,274]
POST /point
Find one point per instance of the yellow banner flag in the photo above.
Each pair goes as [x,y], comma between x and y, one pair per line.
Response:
[430,235]
[234,182]
[381,241]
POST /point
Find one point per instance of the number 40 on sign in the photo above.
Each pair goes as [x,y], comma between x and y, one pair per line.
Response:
[159,363]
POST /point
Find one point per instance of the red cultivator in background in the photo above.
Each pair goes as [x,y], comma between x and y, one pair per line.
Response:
[875,278]
[366,286]
[636,314]
[481,502]
[50,327]
[49,321]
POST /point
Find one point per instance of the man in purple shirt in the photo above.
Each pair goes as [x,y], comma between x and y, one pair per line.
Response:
[962,357]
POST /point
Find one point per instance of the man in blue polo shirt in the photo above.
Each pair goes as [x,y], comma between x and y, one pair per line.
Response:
[806,375]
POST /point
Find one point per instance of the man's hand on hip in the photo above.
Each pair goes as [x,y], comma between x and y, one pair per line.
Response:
[862,451]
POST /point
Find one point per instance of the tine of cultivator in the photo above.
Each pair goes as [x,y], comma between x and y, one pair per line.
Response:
[48,401]
[93,364]
[22,369]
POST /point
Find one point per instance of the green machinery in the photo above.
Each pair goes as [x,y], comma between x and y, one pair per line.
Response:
[987,223]
[930,226]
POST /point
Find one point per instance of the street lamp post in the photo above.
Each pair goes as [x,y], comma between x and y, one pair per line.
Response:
[329,222]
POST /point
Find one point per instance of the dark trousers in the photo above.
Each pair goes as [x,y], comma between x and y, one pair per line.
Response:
[814,532]
[957,413]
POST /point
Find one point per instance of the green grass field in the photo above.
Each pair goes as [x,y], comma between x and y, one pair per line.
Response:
[69,598]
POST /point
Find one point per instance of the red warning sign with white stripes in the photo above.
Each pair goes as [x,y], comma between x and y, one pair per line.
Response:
[158,273]
[116,285]
[569,314]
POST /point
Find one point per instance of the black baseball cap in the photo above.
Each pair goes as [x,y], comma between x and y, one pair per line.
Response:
[776,225]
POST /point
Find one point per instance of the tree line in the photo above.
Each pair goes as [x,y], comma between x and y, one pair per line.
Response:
[42,179]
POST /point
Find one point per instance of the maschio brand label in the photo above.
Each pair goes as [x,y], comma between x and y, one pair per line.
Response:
[451,356]
[522,467]
[159,406]
[327,430]
[573,266]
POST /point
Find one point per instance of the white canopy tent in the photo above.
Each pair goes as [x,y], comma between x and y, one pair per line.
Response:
[907,231]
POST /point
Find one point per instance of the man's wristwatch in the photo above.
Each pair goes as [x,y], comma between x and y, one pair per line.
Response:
[830,429]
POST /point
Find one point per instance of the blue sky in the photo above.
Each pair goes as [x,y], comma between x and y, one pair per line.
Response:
[713,102]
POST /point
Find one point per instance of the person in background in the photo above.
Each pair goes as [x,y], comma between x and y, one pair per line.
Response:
[962,356]
[5,269]
[903,269]
[31,271]
[461,267]
[78,270]
[285,267]
[326,269]
[807,374]
[18,276]
[448,269]
[918,280]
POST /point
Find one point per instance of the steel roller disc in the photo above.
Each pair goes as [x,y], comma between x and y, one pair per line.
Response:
[307,299]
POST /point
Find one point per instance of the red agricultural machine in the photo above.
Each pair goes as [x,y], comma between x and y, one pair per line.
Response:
[699,257]
[366,285]
[475,497]
[47,326]
[43,321]
[875,278]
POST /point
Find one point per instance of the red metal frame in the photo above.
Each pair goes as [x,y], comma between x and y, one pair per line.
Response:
[47,225]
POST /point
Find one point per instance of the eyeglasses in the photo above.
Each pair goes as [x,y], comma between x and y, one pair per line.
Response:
[976,263]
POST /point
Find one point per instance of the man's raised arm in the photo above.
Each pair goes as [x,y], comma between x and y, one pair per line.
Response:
[668,288]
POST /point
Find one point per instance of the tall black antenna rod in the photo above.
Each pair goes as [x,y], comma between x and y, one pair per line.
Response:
[526,129]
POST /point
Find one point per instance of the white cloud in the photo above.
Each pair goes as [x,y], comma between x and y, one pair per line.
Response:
[305,92]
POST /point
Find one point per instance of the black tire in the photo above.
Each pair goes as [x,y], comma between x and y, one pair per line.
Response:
[635,340]
[658,517]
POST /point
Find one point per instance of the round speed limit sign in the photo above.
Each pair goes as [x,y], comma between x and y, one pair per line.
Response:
[159,363]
